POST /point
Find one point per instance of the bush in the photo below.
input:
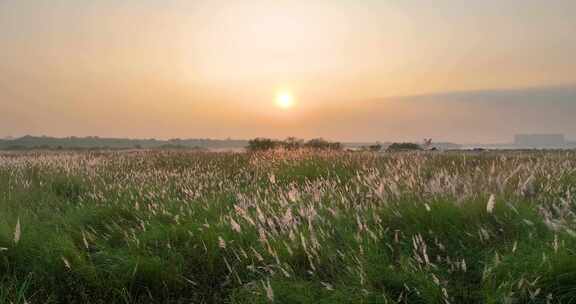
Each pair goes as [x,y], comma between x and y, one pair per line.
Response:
[322,144]
[404,147]
[262,144]
[292,143]
[372,148]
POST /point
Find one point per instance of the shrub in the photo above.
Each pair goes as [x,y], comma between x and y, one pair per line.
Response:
[372,148]
[322,144]
[404,147]
[261,144]
[292,143]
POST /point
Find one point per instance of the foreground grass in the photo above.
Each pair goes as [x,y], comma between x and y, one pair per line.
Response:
[298,227]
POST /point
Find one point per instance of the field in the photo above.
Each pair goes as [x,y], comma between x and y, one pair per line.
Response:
[288,227]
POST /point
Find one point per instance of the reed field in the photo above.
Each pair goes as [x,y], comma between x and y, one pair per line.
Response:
[288,227]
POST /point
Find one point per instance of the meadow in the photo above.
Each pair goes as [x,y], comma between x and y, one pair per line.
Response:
[288,227]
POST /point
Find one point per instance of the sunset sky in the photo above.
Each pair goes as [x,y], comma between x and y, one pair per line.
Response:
[352,70]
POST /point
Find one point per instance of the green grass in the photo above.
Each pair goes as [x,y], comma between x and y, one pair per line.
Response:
[298,227]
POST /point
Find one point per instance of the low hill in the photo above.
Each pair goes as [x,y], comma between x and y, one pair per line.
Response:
[93,142]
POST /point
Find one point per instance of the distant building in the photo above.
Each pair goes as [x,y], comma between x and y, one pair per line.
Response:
[540,140]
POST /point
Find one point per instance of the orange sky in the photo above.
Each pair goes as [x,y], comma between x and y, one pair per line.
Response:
[211,68]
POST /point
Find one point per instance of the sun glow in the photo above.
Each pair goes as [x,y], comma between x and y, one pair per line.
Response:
[284,100]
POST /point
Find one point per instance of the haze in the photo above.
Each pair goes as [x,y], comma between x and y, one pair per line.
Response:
[464,71]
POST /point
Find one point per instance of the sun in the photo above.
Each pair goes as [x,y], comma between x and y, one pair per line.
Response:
[284,100]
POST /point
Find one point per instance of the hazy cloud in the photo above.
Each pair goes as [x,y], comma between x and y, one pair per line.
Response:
[536,95]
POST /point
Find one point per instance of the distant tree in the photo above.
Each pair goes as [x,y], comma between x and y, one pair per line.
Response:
[404,147]
[262,144]
[322,144]
[292,143]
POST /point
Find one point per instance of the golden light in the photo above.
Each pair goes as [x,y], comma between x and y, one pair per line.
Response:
[284,100]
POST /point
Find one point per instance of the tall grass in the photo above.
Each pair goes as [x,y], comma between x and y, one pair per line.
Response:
[288,227]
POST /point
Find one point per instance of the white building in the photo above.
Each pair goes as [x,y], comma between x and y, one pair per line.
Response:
[540,140]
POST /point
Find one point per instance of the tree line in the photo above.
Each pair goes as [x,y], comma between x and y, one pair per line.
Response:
[292,143]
